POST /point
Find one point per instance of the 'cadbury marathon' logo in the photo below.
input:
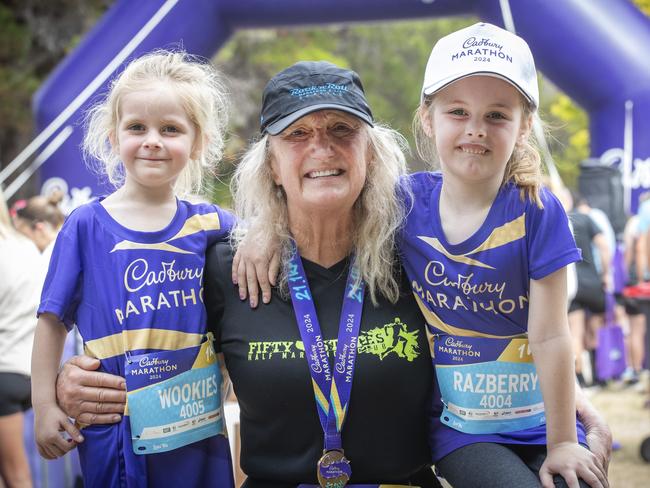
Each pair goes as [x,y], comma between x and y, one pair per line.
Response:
[639,177]
[436,276]
[138,275]
[457,349]
[152,366]
[146,361]
[483,48]
[451,342]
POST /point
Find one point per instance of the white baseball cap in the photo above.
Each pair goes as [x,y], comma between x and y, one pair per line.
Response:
[482,49]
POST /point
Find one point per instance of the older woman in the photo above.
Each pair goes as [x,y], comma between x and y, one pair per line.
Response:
[332,376]
[322,181]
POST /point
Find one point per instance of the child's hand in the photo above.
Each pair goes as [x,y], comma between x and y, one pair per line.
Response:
[50,424]
[252,265]
[572,461]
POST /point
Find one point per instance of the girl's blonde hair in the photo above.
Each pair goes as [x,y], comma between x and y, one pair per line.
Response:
[204,98]
[524,168]
[378,212]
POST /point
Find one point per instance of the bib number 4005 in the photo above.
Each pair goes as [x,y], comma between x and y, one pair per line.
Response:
[496,401]
[192,409]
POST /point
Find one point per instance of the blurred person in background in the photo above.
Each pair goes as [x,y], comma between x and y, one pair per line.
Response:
[563,194]
[636,264]
[588,306]
[20,286]
[40,219]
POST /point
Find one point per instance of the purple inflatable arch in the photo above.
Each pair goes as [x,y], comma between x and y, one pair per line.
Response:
[592,50]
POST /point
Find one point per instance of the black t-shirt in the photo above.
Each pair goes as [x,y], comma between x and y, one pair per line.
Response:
[584,231]
[385,431]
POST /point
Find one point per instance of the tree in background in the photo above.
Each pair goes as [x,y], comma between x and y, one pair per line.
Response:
[390,57]
[35,35]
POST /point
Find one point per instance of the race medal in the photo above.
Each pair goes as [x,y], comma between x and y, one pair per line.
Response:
[334,470]
[331,384]
[174,398]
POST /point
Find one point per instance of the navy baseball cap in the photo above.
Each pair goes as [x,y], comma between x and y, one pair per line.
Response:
[309,86]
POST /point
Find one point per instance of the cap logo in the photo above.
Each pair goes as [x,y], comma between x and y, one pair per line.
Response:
[326,89]
[483,49]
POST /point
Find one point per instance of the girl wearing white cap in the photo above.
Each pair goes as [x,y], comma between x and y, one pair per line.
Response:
[486,248]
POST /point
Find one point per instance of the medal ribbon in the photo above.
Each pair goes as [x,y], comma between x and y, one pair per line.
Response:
[337,383]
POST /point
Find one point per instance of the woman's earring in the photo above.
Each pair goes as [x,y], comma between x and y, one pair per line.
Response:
[278,192]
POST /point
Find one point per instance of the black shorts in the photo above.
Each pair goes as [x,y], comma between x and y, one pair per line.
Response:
[633,306]
[15,393]
[590,297]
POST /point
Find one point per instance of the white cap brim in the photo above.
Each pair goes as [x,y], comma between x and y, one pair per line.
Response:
[436,87]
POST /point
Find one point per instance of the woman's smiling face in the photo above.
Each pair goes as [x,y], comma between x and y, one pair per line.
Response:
[321,161]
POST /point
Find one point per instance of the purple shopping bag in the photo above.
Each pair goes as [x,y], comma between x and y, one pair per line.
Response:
[619,272]
[610,352]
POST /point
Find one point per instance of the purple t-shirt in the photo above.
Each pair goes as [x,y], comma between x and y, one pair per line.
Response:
[480,287]
[139,292]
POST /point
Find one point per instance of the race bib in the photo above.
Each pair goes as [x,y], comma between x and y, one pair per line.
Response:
[487,385]
[174,398]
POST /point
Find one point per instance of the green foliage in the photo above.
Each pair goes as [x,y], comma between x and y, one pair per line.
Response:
[570,137]
[643,5]
[34,37]
[17,81]
[390,58]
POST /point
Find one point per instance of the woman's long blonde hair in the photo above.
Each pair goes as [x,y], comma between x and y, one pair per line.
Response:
[378,212]
[524,168]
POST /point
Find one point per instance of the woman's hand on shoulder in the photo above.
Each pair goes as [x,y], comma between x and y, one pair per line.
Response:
[89,396]
[255,268]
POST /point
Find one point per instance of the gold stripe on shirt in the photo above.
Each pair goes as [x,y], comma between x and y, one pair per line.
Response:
[131,340]
[502,235]
[196,223]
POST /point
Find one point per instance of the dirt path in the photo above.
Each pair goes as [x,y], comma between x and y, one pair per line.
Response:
[630,423]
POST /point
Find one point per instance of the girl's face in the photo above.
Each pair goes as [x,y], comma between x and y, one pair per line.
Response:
[321,161]
[155,138]
[476,122]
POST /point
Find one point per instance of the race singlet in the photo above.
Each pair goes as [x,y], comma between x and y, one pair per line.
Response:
[174,397]
[487,385]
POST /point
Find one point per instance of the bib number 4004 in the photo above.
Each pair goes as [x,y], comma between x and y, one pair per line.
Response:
[192,409]
[496,401]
